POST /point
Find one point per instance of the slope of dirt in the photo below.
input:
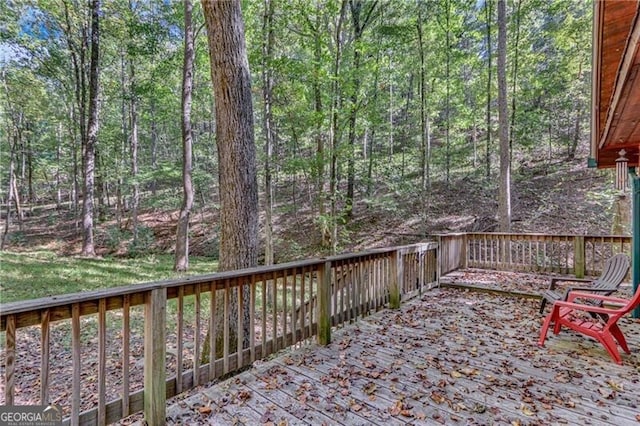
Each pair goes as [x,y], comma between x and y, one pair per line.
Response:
[564,197]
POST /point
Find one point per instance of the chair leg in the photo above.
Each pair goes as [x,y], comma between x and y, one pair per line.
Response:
[545,328]
[610,345]
[542,304]
[617,334]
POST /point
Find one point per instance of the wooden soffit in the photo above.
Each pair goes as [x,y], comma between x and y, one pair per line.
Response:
[616,84]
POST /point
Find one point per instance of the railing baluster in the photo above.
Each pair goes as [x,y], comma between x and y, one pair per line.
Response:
[294,307]
[252,319]
[263,332]
[274,311]
[303,311]
[284,308]
[102,361]
[77,366]
[196,338]
[213,331]
[44,358]
[313,298]
[225,331]
[179,345]
[240,329]
[10,362]
[126,351]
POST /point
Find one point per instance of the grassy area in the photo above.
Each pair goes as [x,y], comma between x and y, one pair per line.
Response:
[35,274]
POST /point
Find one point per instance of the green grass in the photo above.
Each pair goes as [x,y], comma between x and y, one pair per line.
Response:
[30,275]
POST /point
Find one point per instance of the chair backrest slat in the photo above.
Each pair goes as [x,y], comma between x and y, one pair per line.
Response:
[614,272]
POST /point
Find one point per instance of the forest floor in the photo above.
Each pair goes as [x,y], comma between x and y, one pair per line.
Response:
[561,197]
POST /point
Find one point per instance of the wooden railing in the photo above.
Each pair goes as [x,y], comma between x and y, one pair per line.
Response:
[578,255]
[104,355]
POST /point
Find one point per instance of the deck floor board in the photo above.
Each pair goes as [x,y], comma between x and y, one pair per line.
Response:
[451,357]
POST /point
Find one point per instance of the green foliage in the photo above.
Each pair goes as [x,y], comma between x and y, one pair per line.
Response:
[142,246]
[142,50]
[113,237]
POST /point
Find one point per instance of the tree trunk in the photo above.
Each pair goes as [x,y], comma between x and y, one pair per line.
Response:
[133,126]
[123,145]
[236,152]
[360,19]
[488,16]
[577,124]
[317,109]
[182,232]
[154,146]
[514,81]
[88,248]
[12,196]
[58,166]
[448,97]
[267,90]
[424,162]
[333,134]
[504,197]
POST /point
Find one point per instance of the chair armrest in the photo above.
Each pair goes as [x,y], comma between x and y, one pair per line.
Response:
[589,289]
[578,294]
[552,284]
[586,308]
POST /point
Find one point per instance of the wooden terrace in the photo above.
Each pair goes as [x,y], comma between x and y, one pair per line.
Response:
[361,338]
[449,357]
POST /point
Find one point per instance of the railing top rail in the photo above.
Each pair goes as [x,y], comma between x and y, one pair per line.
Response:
[530,234]
[219,277]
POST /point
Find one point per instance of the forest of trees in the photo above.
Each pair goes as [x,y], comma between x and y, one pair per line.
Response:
[347,95]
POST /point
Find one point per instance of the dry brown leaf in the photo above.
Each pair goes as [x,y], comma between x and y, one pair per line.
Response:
[437,397]
[396,408]
[618,387]
[370,388]
[469,371]
[526,410]
[406,413]
[205,410]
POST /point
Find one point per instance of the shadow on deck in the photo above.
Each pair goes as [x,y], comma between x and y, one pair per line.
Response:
[451,357]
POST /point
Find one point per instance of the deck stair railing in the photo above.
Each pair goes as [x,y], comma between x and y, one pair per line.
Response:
[104,355]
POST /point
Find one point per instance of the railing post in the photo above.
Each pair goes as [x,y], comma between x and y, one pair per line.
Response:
[578,256]
[324,304]
[395,279]
[155,392]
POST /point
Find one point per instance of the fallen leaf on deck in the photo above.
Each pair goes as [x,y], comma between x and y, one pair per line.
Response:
[526,410]
[370,388]
[615,386]
[205,410]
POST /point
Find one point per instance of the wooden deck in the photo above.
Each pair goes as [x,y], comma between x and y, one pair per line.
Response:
[451,357]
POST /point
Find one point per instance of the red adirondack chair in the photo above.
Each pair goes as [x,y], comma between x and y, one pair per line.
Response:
[607,333]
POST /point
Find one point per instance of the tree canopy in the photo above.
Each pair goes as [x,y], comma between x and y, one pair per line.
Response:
[356,95]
